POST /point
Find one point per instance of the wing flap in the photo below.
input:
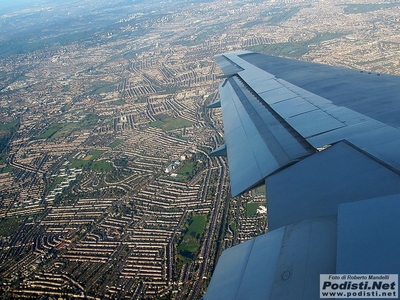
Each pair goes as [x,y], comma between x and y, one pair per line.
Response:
[258,141]
[277,265]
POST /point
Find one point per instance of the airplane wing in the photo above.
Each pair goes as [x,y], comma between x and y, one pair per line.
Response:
[326,143]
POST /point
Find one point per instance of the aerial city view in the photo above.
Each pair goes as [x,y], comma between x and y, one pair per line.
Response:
[107,188]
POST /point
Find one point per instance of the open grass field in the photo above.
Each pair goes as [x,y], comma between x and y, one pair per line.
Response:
[95,153]
[295,49]
[51,130]
[54,182]
[115,143]
[78,163]
[170,123]
[363,8]
[57,130]
[261,190]
[6,131]
[8,226]
[197,224]
[102,166]
[7,169]
[191,241]
[3,158]
[65,130]
[92,155]
[186,170]
[251,208]
[102,87]
[8,126]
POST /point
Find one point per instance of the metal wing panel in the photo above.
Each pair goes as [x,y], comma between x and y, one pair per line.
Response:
[258,142]
[306,95]
[368,239]
[316,185]
[308,250]
[257,78]
[349,132]
[369,94]
[293,107]
[251,273]
[283,264]
[227,277]
[347,116]
[278,137]
[276,93]
[313,123]
[249,72]
[227,67]
[240,134]
[388,152]
[257,281]
[373,137]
